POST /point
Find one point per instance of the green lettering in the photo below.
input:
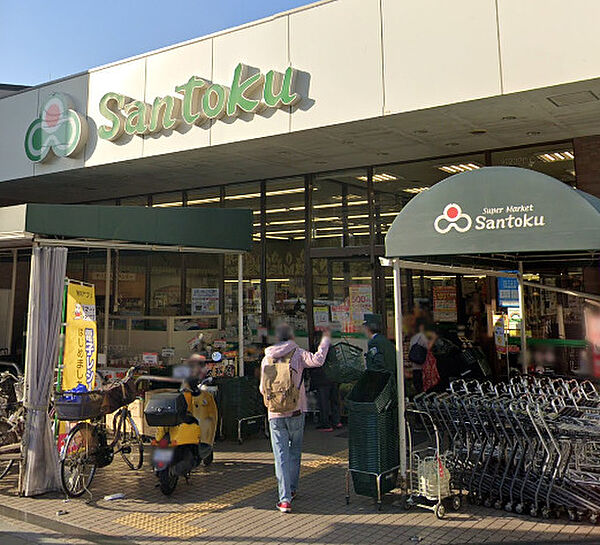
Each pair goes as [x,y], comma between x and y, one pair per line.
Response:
[110,104]
[166,113]
[284,82]
[190,112]
[240,89]
[137,121]
[214,100]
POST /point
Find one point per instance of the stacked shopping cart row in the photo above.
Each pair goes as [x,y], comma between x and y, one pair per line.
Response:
[529,446]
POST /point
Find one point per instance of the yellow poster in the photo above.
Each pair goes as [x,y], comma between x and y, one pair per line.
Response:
[81,340]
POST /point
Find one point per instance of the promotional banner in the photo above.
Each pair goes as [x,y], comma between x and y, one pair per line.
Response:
[444,304]
[205,301]
[81,340]
[361,303]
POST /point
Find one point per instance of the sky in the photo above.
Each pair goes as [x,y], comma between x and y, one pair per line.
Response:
[42,40]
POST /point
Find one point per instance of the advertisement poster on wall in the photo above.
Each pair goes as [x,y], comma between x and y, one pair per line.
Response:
[444,304]
[321,316]
[205,301]
[81,341]
[361,303]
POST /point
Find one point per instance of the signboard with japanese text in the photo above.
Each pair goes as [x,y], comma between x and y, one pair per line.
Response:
[444,304]
[508,291]
[205,301]
[81,340]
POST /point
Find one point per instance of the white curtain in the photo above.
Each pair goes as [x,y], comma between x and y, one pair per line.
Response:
[46,283]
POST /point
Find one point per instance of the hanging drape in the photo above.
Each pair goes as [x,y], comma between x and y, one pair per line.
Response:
[46,282]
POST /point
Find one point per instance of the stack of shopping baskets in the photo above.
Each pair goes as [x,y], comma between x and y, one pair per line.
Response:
[529,446]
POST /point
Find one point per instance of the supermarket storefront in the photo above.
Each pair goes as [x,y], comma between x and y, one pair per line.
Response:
[325,138]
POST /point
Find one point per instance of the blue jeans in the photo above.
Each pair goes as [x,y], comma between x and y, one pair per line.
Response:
[286,440]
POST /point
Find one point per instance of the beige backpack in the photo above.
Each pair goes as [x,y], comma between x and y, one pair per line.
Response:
[277,385]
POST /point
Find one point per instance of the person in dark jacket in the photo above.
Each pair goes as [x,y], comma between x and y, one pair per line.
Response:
[328,396]
[381,352]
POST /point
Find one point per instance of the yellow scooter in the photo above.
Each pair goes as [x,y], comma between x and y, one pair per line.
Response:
[187,423]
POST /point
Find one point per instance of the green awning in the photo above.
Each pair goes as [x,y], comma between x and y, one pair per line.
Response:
[496,210]
[215,229]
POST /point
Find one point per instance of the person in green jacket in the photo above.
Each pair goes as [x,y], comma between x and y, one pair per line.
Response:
[381,352]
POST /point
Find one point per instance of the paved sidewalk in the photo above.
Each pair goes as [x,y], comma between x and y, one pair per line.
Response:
[233,502]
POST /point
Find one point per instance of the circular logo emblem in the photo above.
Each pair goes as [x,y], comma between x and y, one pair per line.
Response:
[452,218]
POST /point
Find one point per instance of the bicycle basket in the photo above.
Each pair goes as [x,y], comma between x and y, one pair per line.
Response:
[78,406]
[117,394]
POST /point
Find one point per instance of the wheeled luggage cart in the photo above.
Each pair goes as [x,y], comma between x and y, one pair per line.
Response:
[428,484]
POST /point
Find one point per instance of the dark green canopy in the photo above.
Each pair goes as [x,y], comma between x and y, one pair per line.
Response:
[215,229]
[496,210]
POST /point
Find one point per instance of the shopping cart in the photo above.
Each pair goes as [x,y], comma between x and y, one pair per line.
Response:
[428,483]
[531,445]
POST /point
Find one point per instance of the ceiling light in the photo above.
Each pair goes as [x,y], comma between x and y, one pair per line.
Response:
[381,177]
[291,231]
[554,156]
[167,204]
[268,193]
[462,167]
[414,190]
[203,201]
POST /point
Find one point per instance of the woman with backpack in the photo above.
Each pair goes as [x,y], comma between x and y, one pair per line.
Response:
[282,387]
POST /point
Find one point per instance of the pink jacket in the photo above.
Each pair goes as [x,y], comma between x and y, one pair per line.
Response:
[300,361]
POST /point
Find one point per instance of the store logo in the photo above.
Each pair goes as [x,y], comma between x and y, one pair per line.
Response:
[59,129]
[452,218]
[198,102]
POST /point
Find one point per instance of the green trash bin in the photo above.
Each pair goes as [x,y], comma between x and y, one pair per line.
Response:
[373,433]
[240,401]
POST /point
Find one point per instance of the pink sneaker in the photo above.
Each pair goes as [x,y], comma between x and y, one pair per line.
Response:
[284,506]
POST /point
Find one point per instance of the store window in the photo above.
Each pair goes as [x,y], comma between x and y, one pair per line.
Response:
[340,215]
[284,241]
[165,284]
[209,197]
[244,196]
[394,185]
[168,200]
[556,160]
[129,284]
[139,200]
[343,294]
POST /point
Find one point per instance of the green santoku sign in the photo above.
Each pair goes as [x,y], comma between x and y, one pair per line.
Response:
[495,210]
[199,102]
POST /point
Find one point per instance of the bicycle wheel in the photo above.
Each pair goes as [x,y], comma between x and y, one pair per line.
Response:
[129,441]
[5,467]
[78,460]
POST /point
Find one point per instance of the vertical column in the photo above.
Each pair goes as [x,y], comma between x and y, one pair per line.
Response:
[11,308]
[263,253]
[241,314]
[107,301]
[399,365]
[523,321]
[309,181]
[222,268]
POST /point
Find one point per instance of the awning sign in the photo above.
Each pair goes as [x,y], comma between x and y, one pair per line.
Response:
[81,340]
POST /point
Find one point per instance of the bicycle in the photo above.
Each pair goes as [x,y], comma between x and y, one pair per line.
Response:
[12,418]
[87,448]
